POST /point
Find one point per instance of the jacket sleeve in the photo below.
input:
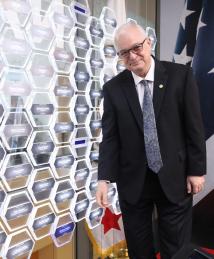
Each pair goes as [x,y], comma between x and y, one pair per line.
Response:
[195,139]
[108,164]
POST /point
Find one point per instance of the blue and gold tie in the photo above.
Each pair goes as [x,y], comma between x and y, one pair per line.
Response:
[150,131]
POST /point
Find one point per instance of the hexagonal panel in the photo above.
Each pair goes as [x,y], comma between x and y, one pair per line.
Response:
[3,237]
[2,65]
[93,155]
[41,184]
[107,73]
[2,195]
[2,22]
[108,50]
[63,20]
[120,66]
[81,10]
[79,109]
[94,94]
[81,174]
[19,244]
[80,142]
[62,195]
[40,32]
[63,229]
[16,210]
[108,21]
[15,48]
[94,31]
[81,77]
[95,62]
[41,5]
[40,71]
[41,221]
[94,124]
[63,91]
[16,88]
[91,185]
[62,56]
[40,147]
[16,12]
[16,171]
[41,109]
[62,127]
[62,162]
[79,42]
[94,215]
[79,206]
[16,130]
[2,154]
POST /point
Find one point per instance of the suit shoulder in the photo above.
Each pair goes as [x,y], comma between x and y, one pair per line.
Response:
[117,80]
[171,66]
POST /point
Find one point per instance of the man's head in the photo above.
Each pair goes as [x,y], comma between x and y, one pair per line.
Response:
[133,47]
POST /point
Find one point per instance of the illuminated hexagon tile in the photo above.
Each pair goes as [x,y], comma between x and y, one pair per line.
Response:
[94,62]
[62,127]
[2,154]
[16,88]
[94,31]
[2,65]
[94,214]
[108,50]
[94,94]
[41,220]
[40,32]
[80,142]
[108,21]
[15,47]
[81,10]
[16,171]
[107,73]
[16,12]
[80,76]
[18,245]
[62,19]
[79,206]
[120,66]
[16,210]
[63,229]
[16,130]
[41,108]
[2,195]
[40,71]
[41,5]
[80,175]
[62,195]
[61,56]
[63,91]
[93,155]
[94,124]
[91,184]
[40,147]
[79,42]
[41,183]
[79,109]
[3,237]
[62,162]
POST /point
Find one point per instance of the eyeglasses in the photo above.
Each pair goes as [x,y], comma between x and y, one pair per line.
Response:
[135,49]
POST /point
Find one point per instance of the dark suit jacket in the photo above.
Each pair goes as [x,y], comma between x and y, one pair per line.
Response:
[122,156]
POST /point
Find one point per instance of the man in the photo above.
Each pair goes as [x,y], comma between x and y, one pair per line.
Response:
[155,152]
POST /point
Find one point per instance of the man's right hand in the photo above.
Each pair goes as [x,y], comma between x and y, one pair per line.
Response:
[101,194]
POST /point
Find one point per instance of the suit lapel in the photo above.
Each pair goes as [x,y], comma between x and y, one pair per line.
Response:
[159,86]
[129,89]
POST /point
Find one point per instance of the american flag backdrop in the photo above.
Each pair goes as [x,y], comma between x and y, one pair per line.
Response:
[195,47]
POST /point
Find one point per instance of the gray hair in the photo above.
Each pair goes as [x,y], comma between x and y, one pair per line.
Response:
[122,29]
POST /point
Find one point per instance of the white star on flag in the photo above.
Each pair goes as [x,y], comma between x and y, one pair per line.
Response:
[185,13]
[182,58]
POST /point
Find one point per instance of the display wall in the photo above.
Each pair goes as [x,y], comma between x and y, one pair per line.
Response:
[54,59]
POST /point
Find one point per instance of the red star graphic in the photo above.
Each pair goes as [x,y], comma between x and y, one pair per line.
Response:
[110,220]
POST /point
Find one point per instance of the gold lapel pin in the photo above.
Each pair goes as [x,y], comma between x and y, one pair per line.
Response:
[160,86]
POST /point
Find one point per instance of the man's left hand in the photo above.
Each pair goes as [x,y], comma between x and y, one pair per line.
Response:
[195,184]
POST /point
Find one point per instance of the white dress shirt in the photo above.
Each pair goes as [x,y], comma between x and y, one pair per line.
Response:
[149,77]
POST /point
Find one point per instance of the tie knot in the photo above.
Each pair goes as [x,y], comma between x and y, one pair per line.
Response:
[144,82]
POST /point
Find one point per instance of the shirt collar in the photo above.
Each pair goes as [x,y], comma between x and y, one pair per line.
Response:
[149,76]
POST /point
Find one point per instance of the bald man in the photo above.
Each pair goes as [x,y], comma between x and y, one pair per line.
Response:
[154,100]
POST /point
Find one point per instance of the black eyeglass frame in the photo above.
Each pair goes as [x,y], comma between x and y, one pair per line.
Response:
[135,49]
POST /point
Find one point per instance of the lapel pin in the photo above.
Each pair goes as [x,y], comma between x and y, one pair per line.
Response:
[160,86]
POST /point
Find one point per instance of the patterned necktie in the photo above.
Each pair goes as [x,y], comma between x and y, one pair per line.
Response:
[150,131]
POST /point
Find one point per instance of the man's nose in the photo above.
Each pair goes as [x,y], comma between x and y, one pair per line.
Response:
[132,55]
